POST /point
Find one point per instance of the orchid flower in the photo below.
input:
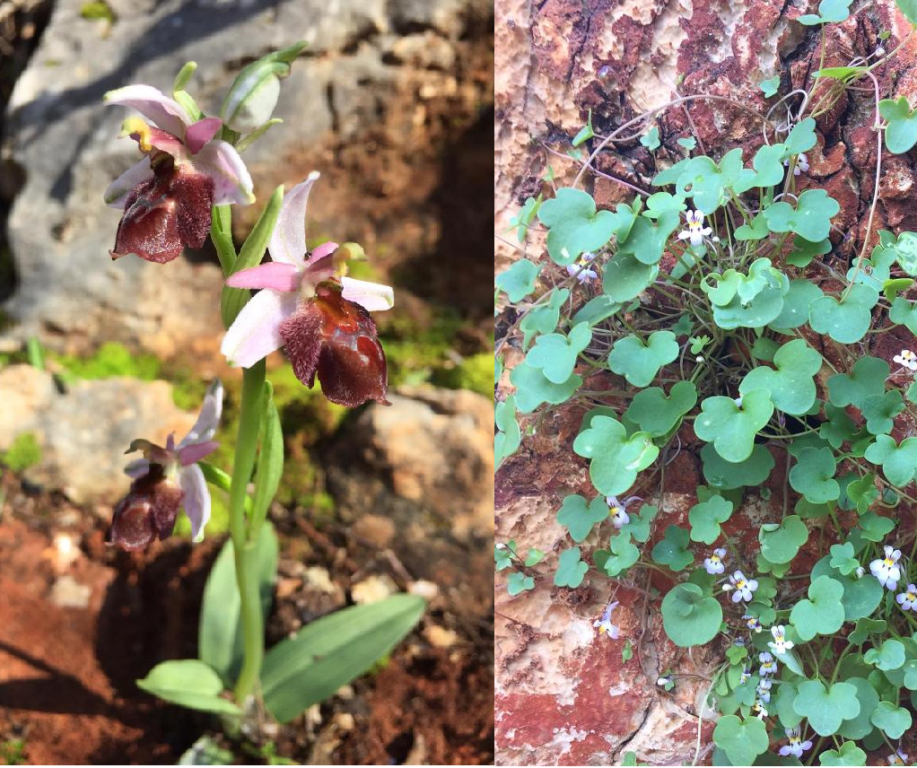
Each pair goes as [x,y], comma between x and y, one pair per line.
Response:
[167,478]
[167,197]
[886,569]
[308,305]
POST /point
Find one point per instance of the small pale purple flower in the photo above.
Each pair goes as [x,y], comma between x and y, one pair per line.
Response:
[744,588]
[166,479]
[714,563]
[167,197]
[886,569]
[802,164]
[797,746]
[604,624]
[696,231]
[764,690]
[768,664]
[752,622]
[908,599]
[898,758]
[578,268]
[308,305]
[780,643]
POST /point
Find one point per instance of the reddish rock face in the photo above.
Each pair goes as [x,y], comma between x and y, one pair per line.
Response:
[564,695]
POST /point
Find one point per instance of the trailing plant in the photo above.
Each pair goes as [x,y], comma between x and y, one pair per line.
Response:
[712,314]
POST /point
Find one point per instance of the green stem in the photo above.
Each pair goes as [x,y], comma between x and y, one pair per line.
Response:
[245,552]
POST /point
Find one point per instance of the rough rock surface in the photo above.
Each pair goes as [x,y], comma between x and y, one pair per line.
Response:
[382,87]
[426,464]
[564,696]
[84,430]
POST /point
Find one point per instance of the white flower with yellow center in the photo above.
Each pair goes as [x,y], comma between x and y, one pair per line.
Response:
[768,664]
[906,358]
[580,268]
[908,600]
[886,569]
[780,644]
[744,588]
[696,231]
[619,517]
[796,746]
[714,563]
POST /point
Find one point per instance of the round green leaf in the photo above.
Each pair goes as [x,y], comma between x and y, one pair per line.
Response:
[519,280]
[742,740]
[813,475]
[705,519]
[791,385]
[866,380]
[848,754]
[533,389]
[690,618]
[891,720]
[575,227]
[899,462]
[639,361]
[826,708]
[579,516]
[844,321]
[811,219]
[570,569]
[556,354]
[616,458]
[821,614]
[732,427]
[796,303]
[658,414]
[726,475]
[781,542]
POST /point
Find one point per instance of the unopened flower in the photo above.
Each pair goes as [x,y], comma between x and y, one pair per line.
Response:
[714,563]
[696,231]
[166,479]
[860,571]
[780,643]
[802,164]
[752,622]
[759,709]
[906,358]
[167,196]
[898,758]
[908,600]
[665,681]
[797,746]
[604,624]
[251,98]
[583,274]
[745,676]
[886,569]
[768,664]
[744,588]
[308,305]
[764,690]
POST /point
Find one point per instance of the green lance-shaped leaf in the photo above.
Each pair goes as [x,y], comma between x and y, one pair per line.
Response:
[792,384]
[689,616]
[575,226]
[332,651]
[810,219]
[221,235]
[579,516]
[821,614]
[220,642]
[657,413]
[741,740]
[570,569]
[233,299]
[899,462]
[707,517]
[270,458]
[556,354]
[616,458]
[846,320]
[518,281]
[732,427]
[813,475]
[639,361]
[189,683]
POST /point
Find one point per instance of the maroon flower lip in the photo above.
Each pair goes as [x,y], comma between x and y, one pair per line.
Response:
[165,214]
[336,340]
[147,512]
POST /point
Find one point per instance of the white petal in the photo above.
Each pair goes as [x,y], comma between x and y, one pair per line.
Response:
[255,333]
[137,468]
[154,105]
[232,183]
[127,182]
[196,500]
[209,419]
[373,297]
[288,241]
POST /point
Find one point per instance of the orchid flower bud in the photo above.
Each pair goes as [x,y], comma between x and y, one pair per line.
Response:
[253,95]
